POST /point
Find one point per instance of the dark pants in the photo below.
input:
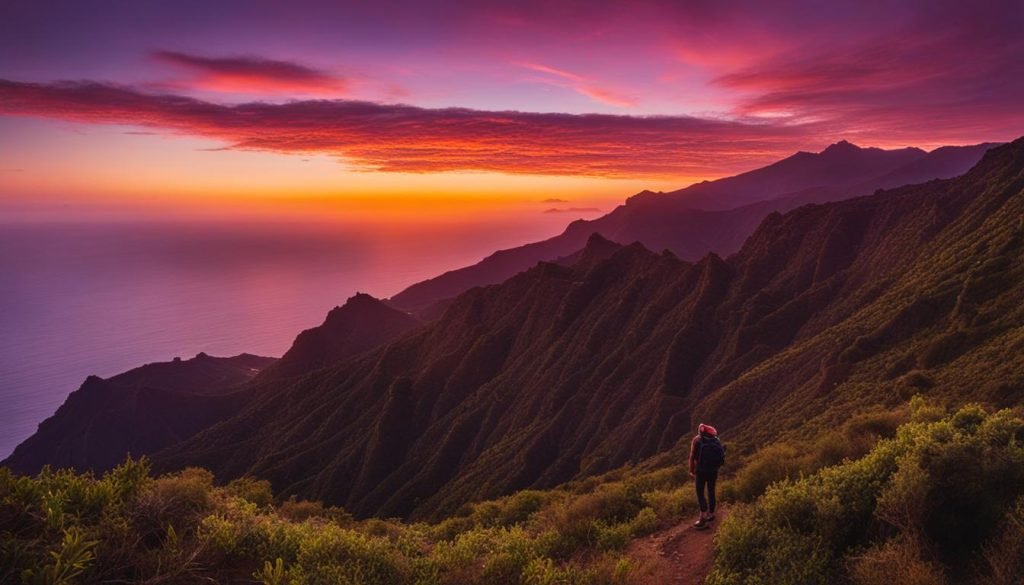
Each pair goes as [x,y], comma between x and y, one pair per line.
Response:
[706,479]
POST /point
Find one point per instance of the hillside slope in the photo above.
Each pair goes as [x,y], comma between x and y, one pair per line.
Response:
[564,372]
[139,412]
[949,324]
[715,216]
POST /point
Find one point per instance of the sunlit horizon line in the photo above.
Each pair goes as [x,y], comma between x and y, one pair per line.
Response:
[376,209]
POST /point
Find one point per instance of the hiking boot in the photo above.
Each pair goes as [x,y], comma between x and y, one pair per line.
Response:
[709,518]
[700,524]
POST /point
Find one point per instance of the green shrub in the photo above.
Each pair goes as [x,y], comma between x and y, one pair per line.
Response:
[173,500]
[520,506]
[771,464]
[546,572]
[330,555]
[272,573]
[128,479]
[896,561]
[299,510]
[611,537]
[791,458]
[251,489]
[926,500]
[669,505]
[238,530]
[449,528]
[70,560]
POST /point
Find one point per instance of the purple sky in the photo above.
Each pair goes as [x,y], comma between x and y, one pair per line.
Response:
[663,92]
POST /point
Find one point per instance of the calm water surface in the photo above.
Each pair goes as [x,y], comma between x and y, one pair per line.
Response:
[103,297]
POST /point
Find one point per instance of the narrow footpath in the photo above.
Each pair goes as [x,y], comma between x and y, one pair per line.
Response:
[679,555]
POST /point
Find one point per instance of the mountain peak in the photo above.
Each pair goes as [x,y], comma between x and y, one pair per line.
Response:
[361,298]
[841,147]
[643,196]
[355,304]
[362,323]
[598,248]
[597,240]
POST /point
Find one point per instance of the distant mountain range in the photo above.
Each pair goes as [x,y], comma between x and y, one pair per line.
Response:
[713,216]
[608,355]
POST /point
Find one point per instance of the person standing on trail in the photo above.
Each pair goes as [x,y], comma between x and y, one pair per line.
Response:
[707,454]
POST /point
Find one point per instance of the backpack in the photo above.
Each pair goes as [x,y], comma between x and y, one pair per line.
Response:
[710,455]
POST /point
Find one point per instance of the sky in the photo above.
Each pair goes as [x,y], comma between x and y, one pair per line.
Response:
[406,109]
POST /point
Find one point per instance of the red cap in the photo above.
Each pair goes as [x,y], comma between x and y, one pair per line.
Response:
[707,429]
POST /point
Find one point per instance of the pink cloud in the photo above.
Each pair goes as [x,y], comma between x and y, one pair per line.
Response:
[954,72]
[581,85]
[895,90]
[253,75]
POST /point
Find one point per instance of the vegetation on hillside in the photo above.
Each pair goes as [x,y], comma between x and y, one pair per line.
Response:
[127,526]
[941,502]
[940,499]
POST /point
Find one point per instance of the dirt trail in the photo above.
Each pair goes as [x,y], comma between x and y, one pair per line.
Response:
[680,555]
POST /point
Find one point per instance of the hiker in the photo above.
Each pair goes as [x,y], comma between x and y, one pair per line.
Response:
[707,454]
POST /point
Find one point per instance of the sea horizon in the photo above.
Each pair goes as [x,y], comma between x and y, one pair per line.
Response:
[99,296]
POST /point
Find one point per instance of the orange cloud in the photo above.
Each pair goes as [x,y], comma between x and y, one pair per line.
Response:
[403,138]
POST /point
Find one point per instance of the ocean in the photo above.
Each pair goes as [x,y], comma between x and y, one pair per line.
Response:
[101,297]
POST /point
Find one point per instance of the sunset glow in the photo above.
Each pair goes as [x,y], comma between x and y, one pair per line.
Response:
[511,292]
[252,102]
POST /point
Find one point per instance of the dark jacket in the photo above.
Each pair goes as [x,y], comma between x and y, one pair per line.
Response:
[705,431]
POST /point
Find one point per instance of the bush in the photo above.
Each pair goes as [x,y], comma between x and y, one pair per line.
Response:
[771,464]
[252,490]
[790,459]
[70,560]
[896,561]
[329,554]
[590,520]
[520,506]
[669,505]
[174,500]
[924,502]
[299,510]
